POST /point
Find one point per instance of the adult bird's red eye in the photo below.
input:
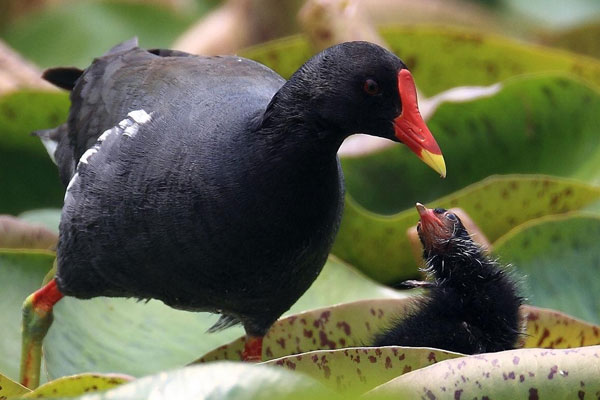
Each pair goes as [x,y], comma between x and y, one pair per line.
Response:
[371,87]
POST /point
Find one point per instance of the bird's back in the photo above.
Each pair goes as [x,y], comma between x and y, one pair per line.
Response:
[180,192]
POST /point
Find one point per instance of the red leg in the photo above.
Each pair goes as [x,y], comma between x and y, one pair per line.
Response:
[37,318]
[253,349]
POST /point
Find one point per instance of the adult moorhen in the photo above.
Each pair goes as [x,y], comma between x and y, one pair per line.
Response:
[472,305]
[211,183]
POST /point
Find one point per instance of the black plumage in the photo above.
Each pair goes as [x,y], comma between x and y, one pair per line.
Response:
[471,305]
[211,183]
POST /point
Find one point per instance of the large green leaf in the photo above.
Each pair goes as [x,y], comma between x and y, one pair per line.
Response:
[74,33]
[357,323]
[561,258]
[515,374]
[444,57]
[223,381]
[21,272]
[359,369]
[119,335]
[379,246]
[522,129]
[29,178]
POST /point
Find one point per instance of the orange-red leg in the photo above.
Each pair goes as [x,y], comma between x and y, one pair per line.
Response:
[253,349]
[37,318]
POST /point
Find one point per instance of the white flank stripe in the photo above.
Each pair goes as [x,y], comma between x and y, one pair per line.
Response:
[140,116]
[70,185]
[50,146]
[88,153]
[131,130]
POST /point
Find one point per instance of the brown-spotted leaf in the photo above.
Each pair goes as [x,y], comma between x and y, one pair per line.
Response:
[355,324]
[336,327]
[10,388]
[75,385]
[515,374]
[18,234]
[379,247]
[359,369]
[556,330]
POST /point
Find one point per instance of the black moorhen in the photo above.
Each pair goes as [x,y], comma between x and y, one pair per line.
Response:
[211,183]
[472,305]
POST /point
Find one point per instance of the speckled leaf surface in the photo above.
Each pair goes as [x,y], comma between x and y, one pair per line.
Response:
[561,258]
[223,381]
[340,326]
[515,374]
[355,324]
[360,369]
[21,273]
[29,178]
[120,335]
[378,245]
[556,330]
[454,57]
[71,386]
[10,388]
[18,234]
[522,129]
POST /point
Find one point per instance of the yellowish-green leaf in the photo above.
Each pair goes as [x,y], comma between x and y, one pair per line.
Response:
[10,388]
[71,386]
[336,327]
[556,330]
[514,374]
[359,369]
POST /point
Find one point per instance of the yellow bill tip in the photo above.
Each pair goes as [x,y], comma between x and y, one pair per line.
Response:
[435,161]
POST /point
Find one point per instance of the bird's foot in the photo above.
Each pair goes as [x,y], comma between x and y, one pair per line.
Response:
[37,318]
[252,349]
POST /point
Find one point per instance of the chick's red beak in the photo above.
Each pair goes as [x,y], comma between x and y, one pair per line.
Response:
[410,128]
[431,228]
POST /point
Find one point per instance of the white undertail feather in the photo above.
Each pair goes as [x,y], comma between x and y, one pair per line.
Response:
[50,146]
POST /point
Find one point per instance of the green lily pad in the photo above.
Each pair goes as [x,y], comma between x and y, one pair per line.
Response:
[444,57]
[93,28]
[120,335]
[71,386]
[223,381]
[378,245]
[515,374]
[561,258]
[29,178]
[10,388]
[21,272]
[521,129]
[360,369]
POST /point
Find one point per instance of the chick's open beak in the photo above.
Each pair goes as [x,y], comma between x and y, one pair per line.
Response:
[410,129]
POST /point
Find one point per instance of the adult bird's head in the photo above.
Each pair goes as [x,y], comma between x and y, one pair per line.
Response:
[359,87]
